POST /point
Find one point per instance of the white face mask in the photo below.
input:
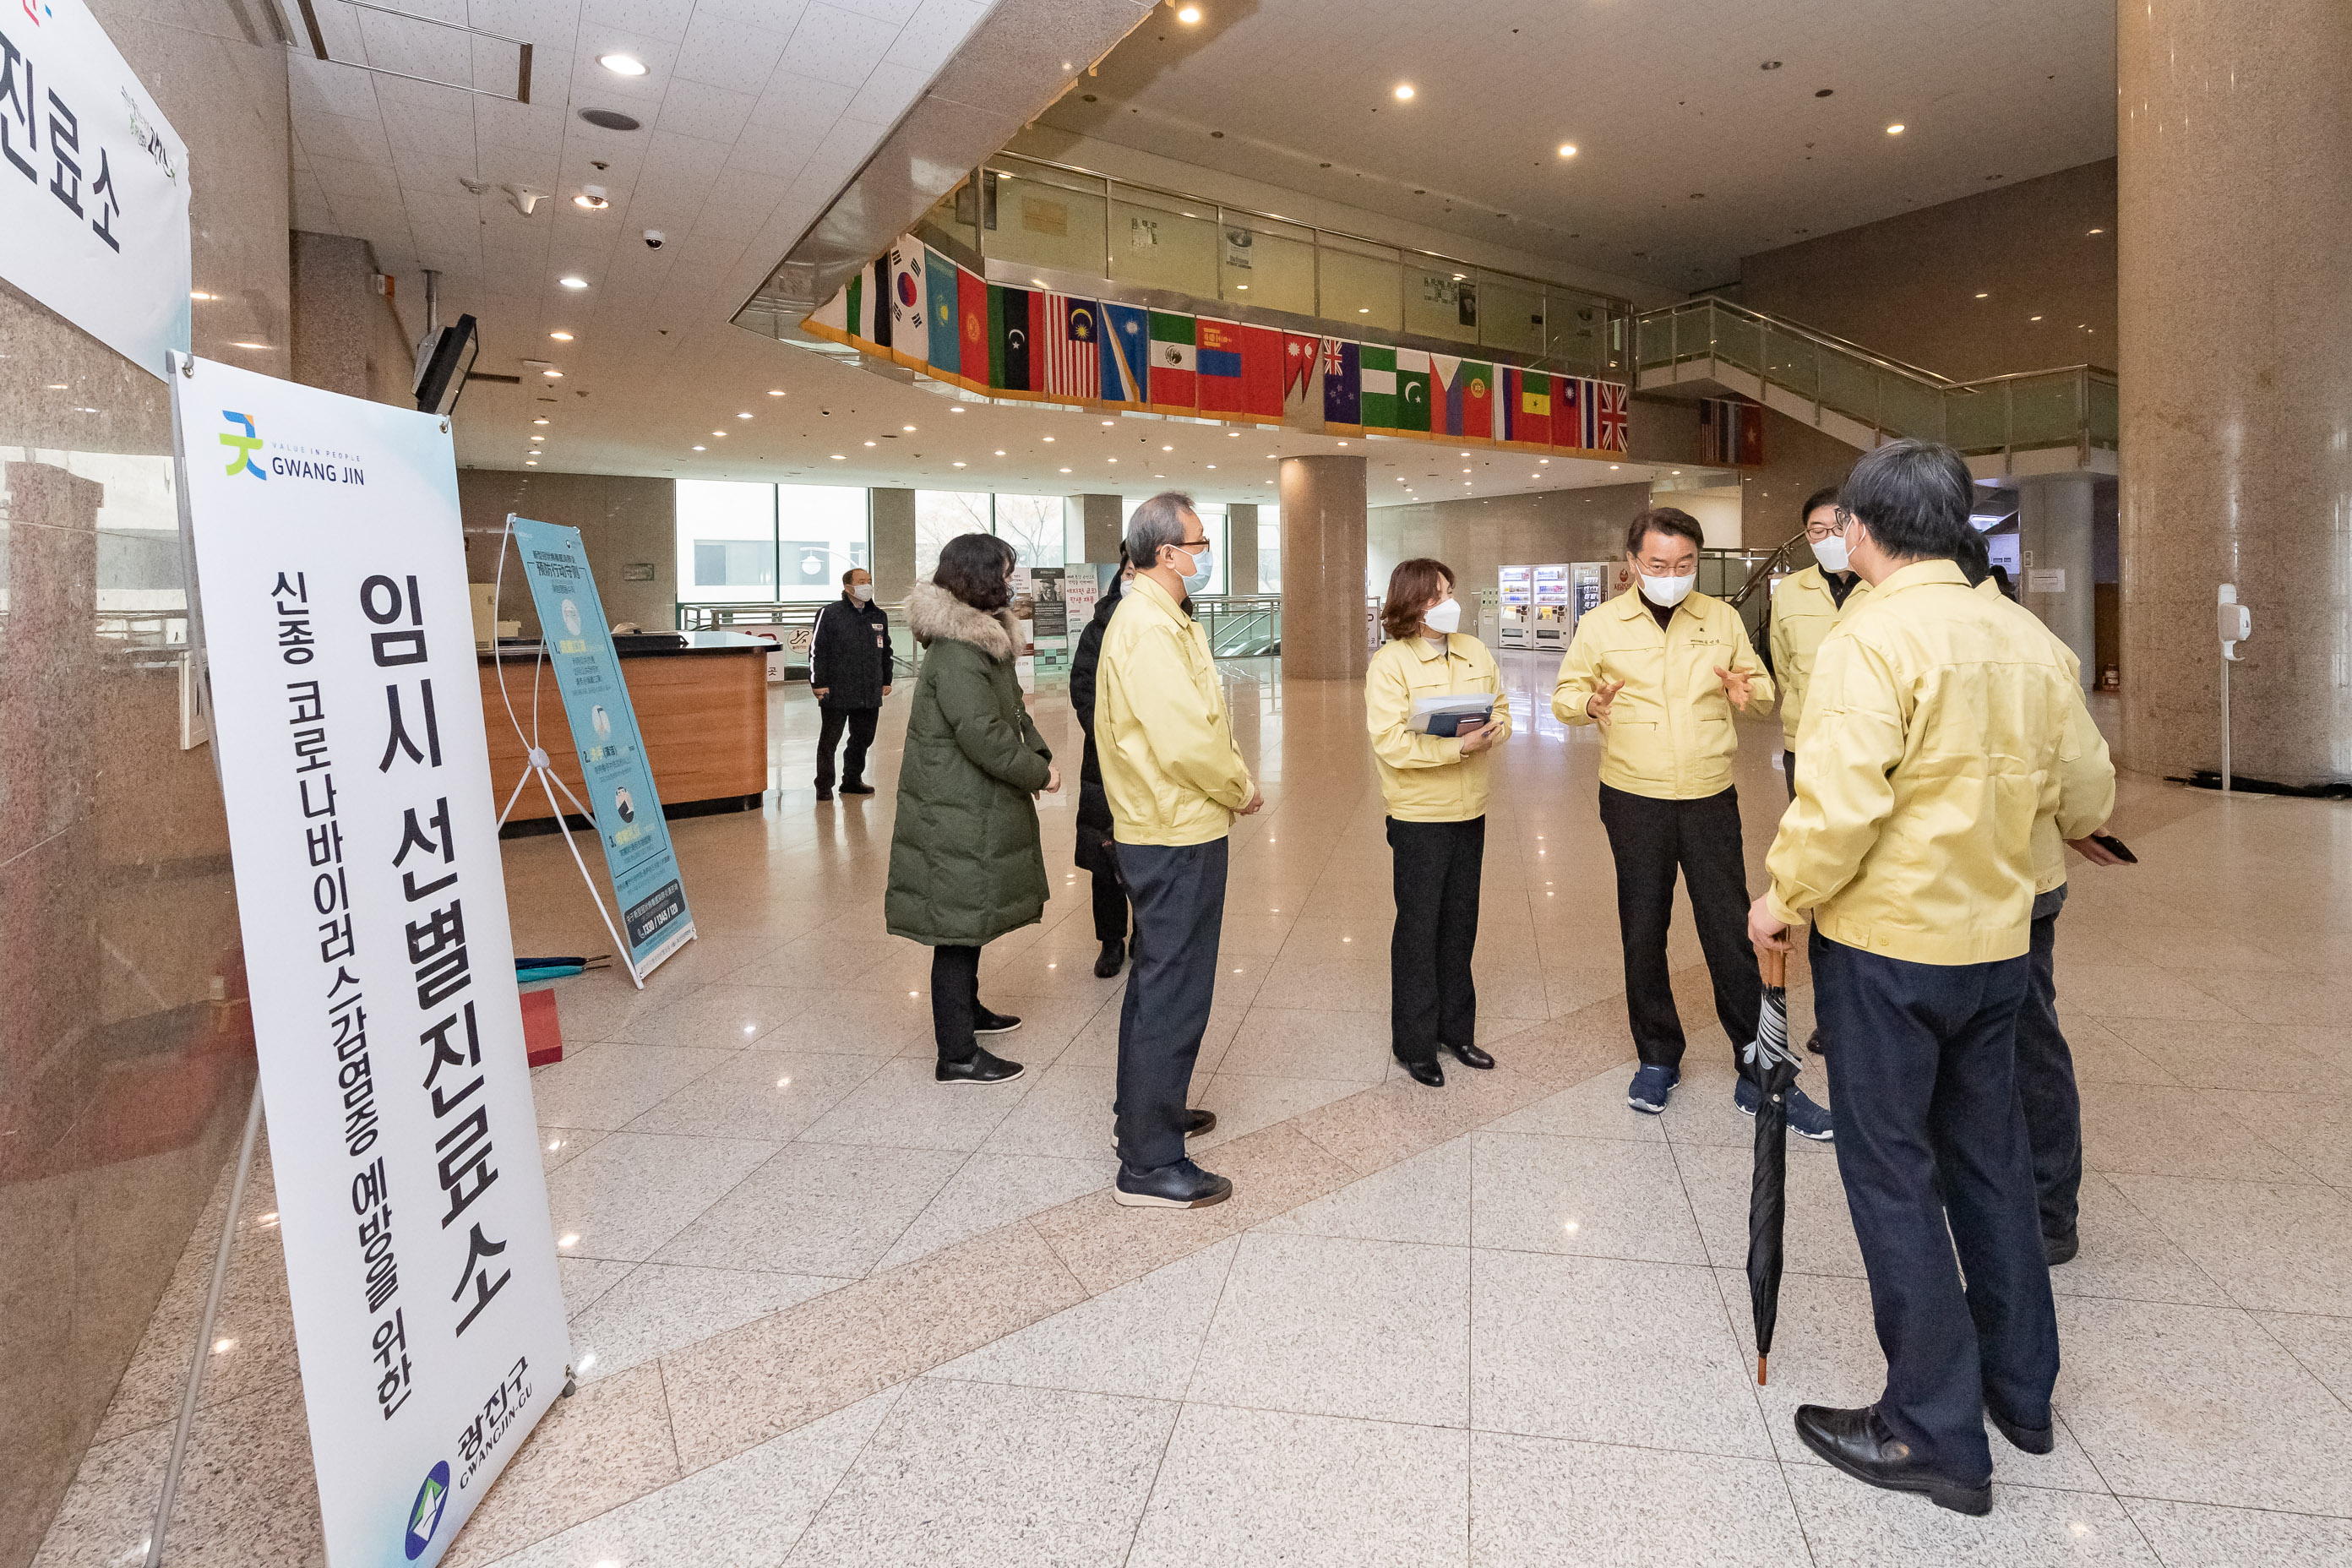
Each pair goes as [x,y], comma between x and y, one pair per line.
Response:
[863,593]
[1830,553]
[1443,617]
[1667,592]
[1204,557]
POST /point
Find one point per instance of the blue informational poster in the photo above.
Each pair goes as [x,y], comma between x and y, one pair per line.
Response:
[655,920]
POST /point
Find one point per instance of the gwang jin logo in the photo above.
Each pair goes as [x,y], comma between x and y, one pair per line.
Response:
[318,466]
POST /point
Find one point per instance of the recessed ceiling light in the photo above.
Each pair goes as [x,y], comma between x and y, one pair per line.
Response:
[1984,295]
[2098,231]
[621,65]
[531,462]
[1049,437]
[1363,309]
[959,465]
[540,420]
[553,374]
[910,429]
[1567,148]
[742,416]
[1000,451]
[1213,465]
[955,410]
[1895,131]
[538,437]
[703,449]
[1403,90]
[775,392]
[869,443]
[573,282]
[1066,471]
[200,294]
[2034,318]
[249,345]
[1166,448]
[836,457]
[560,337]
[592,198]
[1189,15]
[1612,468]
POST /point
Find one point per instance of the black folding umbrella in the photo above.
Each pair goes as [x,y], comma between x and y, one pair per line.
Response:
[1767,1061]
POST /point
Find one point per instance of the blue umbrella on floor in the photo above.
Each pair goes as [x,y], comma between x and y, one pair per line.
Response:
[1767,1061]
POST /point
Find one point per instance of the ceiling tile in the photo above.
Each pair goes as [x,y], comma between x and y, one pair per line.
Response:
[837,45]
[705,113]
[730,54]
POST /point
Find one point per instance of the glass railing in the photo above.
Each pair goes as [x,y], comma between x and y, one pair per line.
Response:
[2037,410]
[1239,627]
[1023,218]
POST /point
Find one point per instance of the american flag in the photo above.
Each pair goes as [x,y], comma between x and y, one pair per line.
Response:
[1072,348]
[1609,403]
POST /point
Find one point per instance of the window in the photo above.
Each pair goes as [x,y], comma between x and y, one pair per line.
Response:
[1031,524]
[743,543]
[1269,549]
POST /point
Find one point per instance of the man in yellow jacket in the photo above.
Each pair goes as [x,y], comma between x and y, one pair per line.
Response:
[1176,781]
[1805,606]
[1936,737]
[1664,670]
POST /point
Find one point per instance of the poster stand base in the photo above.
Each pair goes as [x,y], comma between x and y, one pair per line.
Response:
[537,768]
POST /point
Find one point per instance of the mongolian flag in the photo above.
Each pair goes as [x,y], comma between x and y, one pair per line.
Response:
[1126,355]
[1343,389]
[1072,344]
[1413,390]
[971,328]
[1302,380]
[1016,323]
[1477,397]
[1174,385]
[910,334]
[1218,356]
[1610,411]
[1378,379]
[941,279]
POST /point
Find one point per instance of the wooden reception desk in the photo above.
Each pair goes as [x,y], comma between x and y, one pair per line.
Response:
[702,709]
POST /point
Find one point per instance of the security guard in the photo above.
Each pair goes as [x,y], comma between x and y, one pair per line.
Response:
[1939,735]
[1805,606]
[1663,670]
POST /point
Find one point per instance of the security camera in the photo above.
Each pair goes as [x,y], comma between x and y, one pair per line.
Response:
[654,239]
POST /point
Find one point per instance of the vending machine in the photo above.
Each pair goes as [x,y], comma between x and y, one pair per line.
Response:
[1516,606]
[1593,582]
[1552,608]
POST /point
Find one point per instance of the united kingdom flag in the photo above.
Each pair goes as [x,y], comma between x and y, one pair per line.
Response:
[1608,415]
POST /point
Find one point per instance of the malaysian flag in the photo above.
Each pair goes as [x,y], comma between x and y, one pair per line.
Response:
[1072,348]
[1608,415]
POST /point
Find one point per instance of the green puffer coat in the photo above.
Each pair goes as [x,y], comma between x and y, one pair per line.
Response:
[965,865]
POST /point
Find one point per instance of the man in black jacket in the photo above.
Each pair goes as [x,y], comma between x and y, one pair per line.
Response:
[1095,854]
[849,671]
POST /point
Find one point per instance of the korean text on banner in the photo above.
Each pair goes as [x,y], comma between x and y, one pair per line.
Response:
[620,782]
[93,184]
[339,635]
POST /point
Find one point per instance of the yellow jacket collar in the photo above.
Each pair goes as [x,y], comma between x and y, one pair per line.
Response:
[1153,594]
[1920,571]
[1423,652]
[1632,605]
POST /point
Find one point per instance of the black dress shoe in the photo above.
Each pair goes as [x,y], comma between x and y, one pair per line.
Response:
[1113,956]
[1857,1442]
[1428,1073]
[1198,1122]
[1182,1185]
[2058,1249]
[824,794]
[2031,1439]
[857,789]
[984,1022]
[1472,1056]
[978,1067]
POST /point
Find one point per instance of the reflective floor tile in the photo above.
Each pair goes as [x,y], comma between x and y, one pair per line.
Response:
[817,1209]
[1142,1338]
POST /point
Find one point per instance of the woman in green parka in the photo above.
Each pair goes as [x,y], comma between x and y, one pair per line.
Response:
[965,863]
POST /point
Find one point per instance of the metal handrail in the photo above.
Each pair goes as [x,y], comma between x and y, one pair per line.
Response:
[1816,335]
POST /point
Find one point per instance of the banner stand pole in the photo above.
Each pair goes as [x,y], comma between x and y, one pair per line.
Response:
[537,767]
[195,1388]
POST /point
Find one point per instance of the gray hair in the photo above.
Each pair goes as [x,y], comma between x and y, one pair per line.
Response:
[1158,521]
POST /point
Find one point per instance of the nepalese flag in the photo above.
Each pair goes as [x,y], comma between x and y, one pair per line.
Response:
[971,329]
[1343,387]
[1016,323]
[1072,346]
[1571,413]
[1174,383]
[942,278]
[1412,390]
[1610,415]
[1477,395]
[1302,379]
[910,334]
[1444,395]
[1126,355]
[1377,376]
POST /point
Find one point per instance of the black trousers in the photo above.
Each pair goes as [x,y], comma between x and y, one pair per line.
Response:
[1922,1083]
[1180,910]
[1650,840]
[1110,908]
[955,1001]
[2045,1078]
[1431,999]
[861,722]
[1789,769]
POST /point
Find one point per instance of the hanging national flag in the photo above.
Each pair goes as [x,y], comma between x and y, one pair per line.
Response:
[971,327]
[1012,335]
[1572,413]
[1444,395]
[1302,380]
[1343,389]
[1413,390]
[1218,356]
[1174,385]
[878,309]
[1477,401]
[910,333]
[1126,355]
[942,329]
[1608,400]
[832,318]
[1261,373]
[1531,409]
[1378,375]
[1072,343]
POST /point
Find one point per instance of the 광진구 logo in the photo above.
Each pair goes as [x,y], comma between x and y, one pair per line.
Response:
[424,1513]
[241,447]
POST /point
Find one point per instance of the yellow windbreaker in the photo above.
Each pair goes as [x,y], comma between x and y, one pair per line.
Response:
[1169,762]
[1672,736]
[1425,778]
[1938,733]
[1803,611]
[2095,799]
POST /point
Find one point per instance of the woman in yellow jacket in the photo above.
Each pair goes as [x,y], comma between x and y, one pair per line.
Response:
[1436,786]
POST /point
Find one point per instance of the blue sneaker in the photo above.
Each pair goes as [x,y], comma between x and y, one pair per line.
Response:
[1806,1120]
[1651,1088]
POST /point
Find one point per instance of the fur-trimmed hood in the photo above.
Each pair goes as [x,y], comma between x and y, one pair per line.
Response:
[933,613]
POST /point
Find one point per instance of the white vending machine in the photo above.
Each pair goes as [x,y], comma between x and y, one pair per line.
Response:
[1517,605]
[1552,608]
[1593,582]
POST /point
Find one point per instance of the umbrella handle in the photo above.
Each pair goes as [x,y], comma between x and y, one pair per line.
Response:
[1775,964]
[1760,1369]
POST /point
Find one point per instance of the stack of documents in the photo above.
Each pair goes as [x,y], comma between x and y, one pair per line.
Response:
[1450,715]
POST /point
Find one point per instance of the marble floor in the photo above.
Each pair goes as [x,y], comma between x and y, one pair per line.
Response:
[828,1313]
